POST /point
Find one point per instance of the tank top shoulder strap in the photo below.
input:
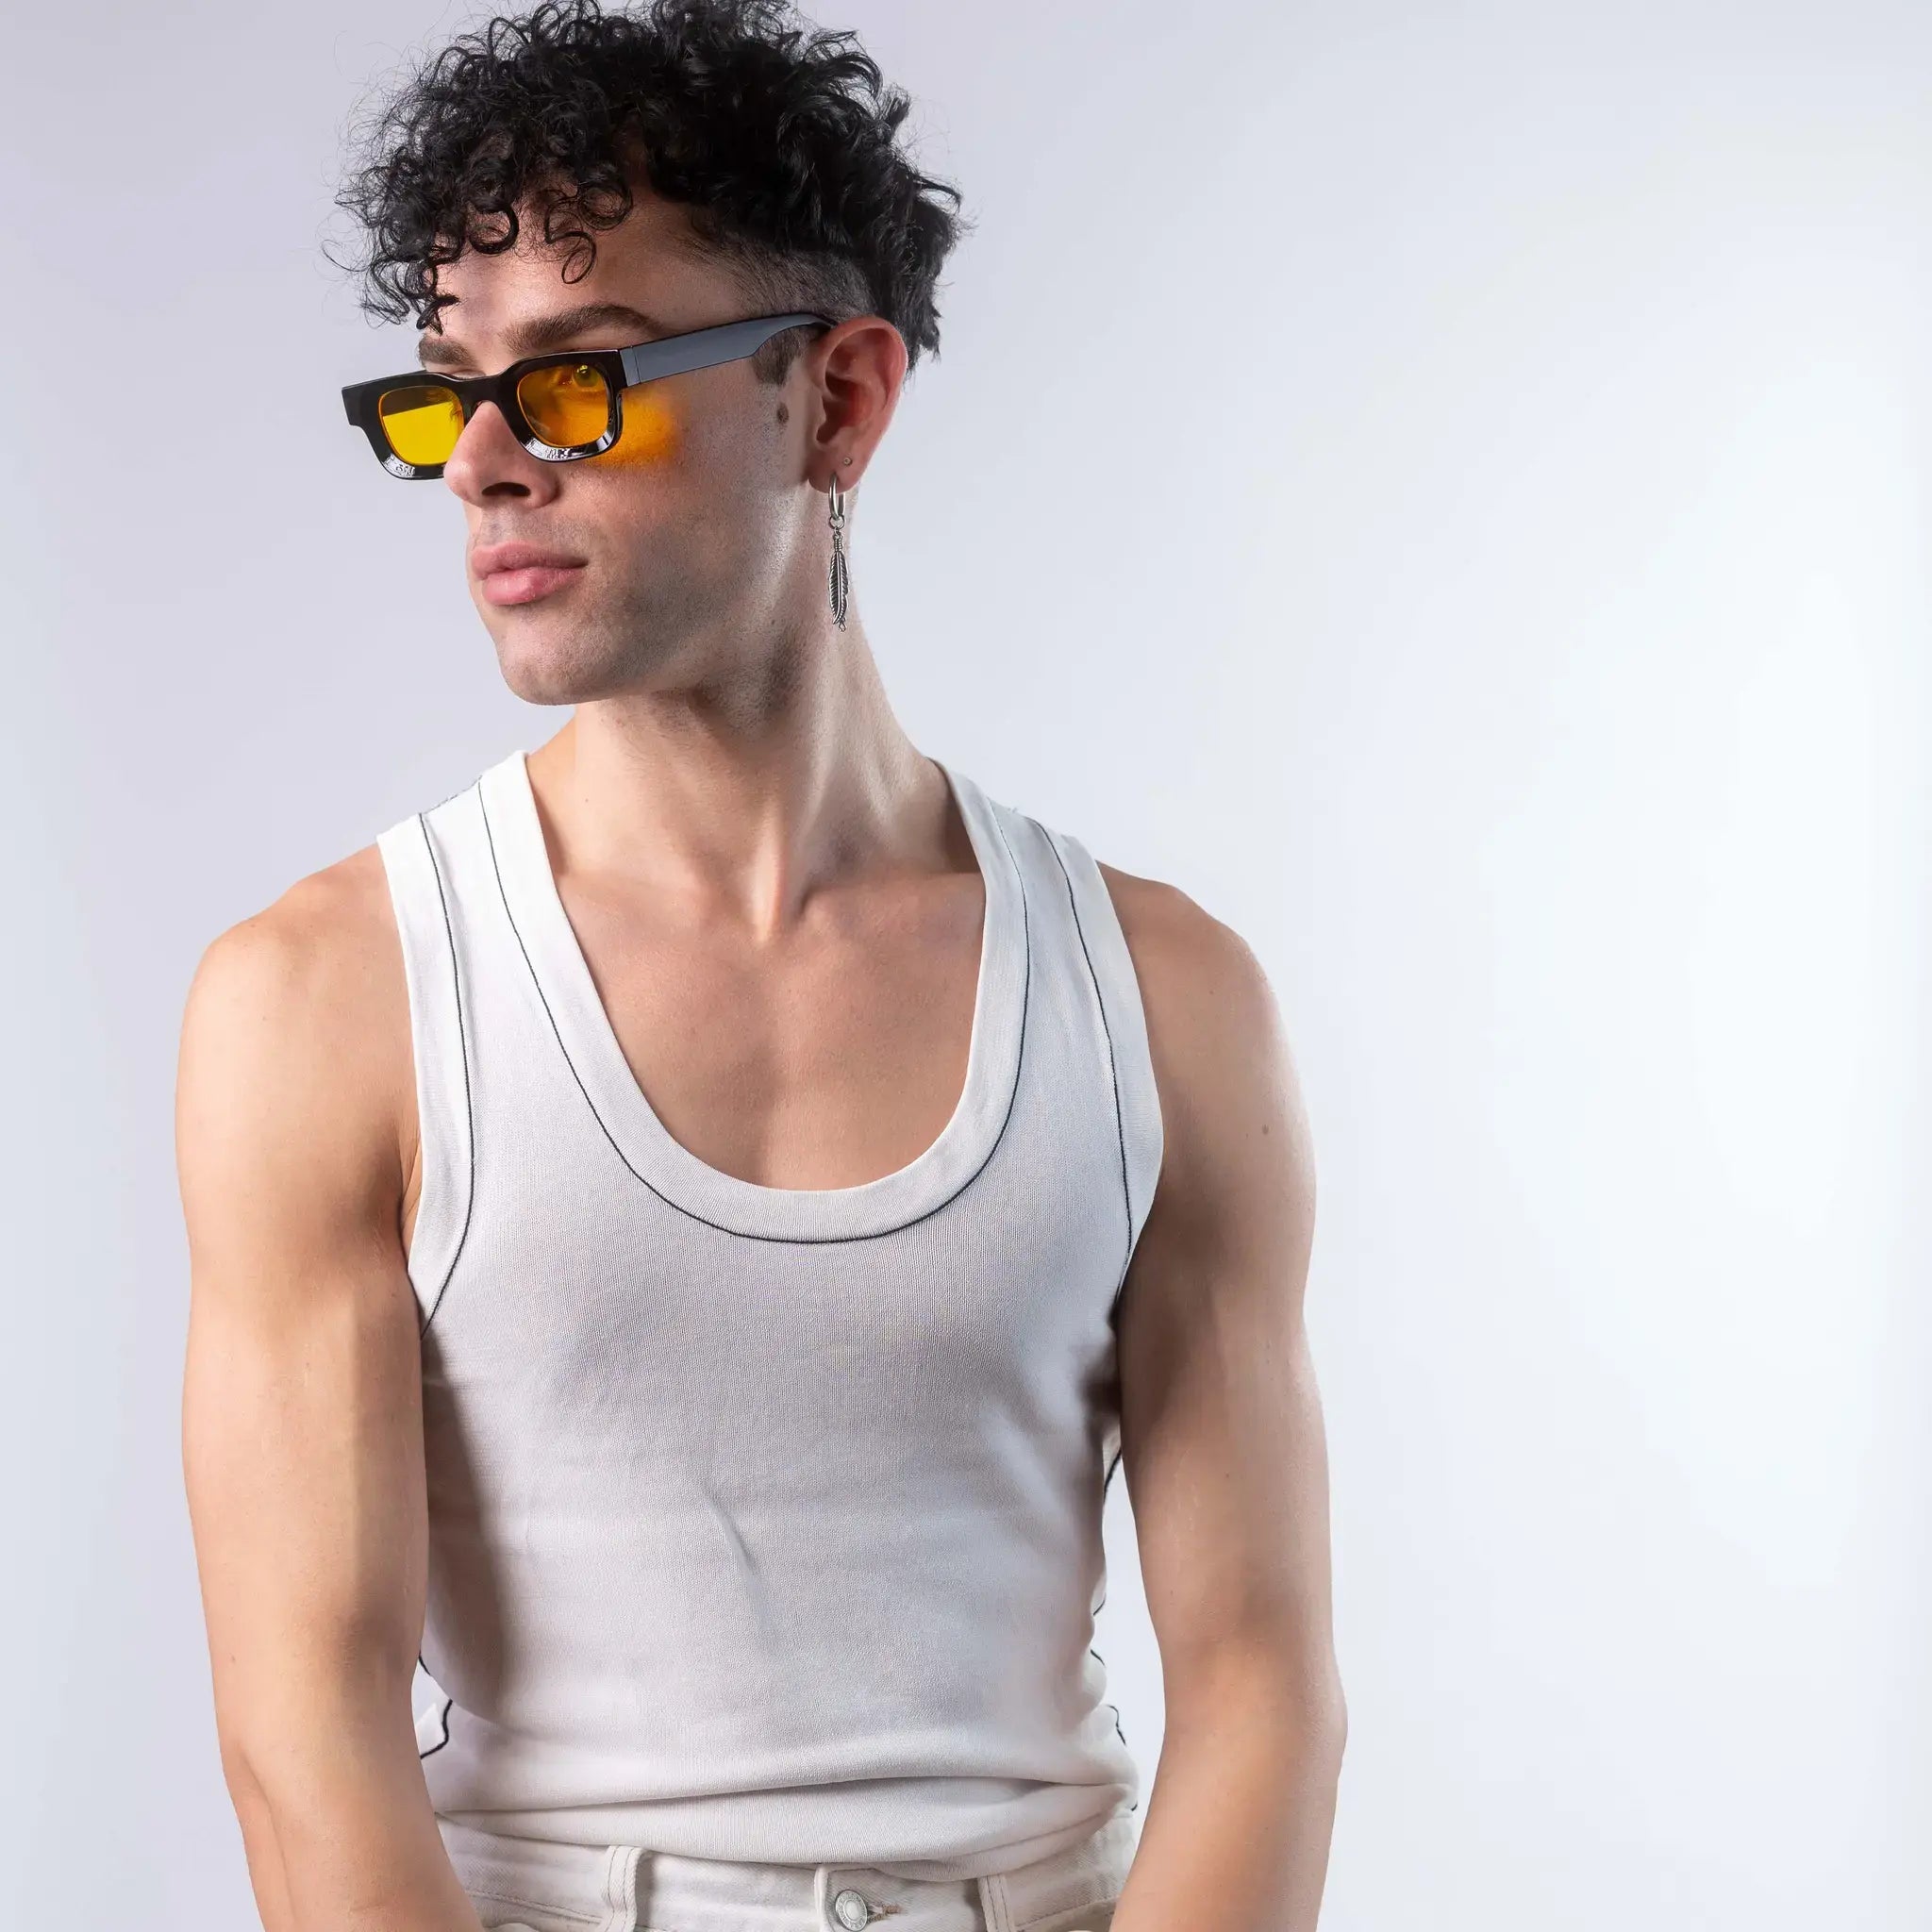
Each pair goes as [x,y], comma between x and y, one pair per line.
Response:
[416,856]
[1109,966]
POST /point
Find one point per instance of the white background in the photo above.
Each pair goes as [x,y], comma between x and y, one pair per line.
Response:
[1448,487]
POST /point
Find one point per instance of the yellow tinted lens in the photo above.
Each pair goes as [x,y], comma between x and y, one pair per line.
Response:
[568,404]
[422,422]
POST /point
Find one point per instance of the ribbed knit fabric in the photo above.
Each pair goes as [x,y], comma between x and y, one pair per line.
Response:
[765,1524]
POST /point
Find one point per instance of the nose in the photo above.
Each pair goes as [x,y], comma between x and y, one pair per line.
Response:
[488,457]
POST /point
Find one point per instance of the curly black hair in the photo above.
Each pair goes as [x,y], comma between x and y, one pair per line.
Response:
[778,137]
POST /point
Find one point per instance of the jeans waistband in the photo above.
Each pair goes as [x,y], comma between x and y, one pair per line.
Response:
[537,1885]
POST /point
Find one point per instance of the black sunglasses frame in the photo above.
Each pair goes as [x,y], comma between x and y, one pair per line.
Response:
[698,348]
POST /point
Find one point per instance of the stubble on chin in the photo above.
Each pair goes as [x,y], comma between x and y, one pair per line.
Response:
[558,656]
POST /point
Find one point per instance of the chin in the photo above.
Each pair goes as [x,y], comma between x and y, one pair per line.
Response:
[545,669]
[542,669]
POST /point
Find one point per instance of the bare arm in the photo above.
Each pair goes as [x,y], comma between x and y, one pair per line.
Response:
[1223,1451]
[301,1407]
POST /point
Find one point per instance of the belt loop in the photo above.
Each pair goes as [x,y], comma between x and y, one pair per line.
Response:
[992,1904]
[621,1888]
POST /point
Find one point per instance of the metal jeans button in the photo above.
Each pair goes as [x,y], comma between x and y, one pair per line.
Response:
[852,1910]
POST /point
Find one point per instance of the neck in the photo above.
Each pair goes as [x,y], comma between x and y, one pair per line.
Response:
[749,790]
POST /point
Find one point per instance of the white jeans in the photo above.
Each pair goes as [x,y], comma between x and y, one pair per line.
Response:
[532,1885]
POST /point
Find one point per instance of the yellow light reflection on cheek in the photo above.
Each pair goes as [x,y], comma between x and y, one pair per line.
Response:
[653,430]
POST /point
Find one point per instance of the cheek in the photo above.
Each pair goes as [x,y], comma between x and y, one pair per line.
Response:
[652,435]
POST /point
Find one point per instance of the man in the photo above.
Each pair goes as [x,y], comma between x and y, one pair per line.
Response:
[684,1229]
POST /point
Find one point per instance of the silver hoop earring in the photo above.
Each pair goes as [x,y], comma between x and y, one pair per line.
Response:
[842,576]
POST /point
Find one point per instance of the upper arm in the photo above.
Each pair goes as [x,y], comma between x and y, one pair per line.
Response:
[301,1417]
[1221,1426]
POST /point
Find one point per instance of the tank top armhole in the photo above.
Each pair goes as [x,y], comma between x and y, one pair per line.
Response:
[1137,1099]
[440,1051]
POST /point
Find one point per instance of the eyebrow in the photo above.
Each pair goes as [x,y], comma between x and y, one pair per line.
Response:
[543,333]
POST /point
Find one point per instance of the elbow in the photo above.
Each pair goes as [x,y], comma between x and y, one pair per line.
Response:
[1276,1691]
[1327,1707]
[248,1771]
[1337,1728]
[313,1737]
[249,1799]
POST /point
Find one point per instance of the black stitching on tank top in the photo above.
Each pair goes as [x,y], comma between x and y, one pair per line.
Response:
[744,1234]
[448,1704]
[463,1047]
[1113,1072]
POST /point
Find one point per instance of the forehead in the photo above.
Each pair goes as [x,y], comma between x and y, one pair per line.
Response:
[648,262]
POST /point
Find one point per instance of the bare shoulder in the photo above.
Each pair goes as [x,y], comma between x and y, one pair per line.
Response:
[1211,1009]
[1181,952]
[320,963]
[295,1050]
[1232,1112]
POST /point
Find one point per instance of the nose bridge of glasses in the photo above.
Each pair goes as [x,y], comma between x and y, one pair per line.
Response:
[539,421]
[472,393]
[475,403]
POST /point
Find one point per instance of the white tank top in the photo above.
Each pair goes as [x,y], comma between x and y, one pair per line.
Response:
[765,1522]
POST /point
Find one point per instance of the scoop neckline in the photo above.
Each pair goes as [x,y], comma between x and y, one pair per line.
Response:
[588,1042]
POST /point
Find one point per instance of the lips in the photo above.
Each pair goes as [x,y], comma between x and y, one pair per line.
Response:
[521,572]
[492,557]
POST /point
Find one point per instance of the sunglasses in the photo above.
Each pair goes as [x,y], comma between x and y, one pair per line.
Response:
[560,407]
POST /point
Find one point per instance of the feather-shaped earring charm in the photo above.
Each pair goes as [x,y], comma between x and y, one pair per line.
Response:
[840,578]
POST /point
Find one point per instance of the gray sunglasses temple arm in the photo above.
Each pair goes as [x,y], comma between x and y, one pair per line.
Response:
[703,347]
